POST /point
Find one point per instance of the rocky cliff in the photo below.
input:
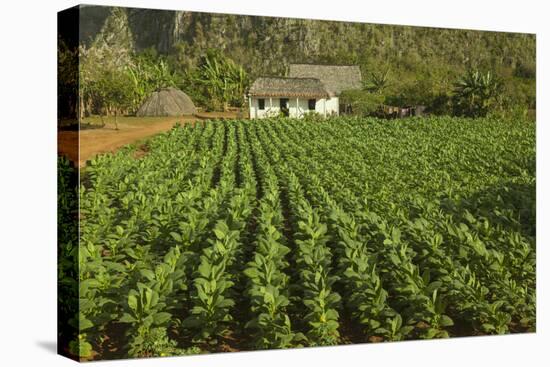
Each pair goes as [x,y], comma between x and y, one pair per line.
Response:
[265,45]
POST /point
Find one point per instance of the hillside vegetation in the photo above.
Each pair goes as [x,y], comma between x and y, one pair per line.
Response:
[422,65]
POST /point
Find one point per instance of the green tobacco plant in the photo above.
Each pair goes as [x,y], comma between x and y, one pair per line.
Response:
[395,330]
[143,311]
[280,233]
[365,297]
[268,283]
[211,303]
[316,282]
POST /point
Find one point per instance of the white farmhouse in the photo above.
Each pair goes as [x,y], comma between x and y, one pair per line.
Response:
[294,97]
[308,88]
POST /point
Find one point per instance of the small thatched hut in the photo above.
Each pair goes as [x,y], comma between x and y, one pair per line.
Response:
[167,102]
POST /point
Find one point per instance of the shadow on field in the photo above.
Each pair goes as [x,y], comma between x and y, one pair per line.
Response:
[499,204]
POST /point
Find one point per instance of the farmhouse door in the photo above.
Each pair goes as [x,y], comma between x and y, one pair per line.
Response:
[283,104]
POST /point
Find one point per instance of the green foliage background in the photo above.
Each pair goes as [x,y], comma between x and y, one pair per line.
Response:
[422,64]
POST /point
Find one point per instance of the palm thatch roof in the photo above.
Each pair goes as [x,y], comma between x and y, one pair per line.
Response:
[336,78]
[167,102]
[288,87]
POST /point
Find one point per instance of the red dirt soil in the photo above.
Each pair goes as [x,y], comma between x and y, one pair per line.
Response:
[107,139]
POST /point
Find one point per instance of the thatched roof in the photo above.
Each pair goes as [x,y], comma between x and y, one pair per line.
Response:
[288,87]
[336,78]
[167,102]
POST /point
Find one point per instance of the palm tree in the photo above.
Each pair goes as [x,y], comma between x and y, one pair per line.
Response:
[377,82]
[475,93]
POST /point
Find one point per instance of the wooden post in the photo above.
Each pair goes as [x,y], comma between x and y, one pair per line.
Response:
[249,107]
[297,108]
[270,105]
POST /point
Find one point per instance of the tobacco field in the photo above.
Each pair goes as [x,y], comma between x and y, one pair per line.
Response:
[283,233]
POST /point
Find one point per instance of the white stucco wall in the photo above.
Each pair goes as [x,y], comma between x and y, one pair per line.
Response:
[297,108]
[269,111]
[333,106]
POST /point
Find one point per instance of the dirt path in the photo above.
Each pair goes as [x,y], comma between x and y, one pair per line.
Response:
[107,139]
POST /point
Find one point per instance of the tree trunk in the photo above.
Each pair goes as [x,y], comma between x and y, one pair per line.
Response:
[88,107]
[116,119]
[80,108]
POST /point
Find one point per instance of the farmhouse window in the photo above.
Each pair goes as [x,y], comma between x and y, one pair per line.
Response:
[311,104]
[261,104]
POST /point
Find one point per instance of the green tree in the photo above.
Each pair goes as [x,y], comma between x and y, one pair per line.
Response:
[116,92]
[221,79]
[67,79]
[148,73]
[101,68]
[362,102]
[475,93]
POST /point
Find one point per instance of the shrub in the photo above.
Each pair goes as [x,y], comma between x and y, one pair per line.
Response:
[362,103]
